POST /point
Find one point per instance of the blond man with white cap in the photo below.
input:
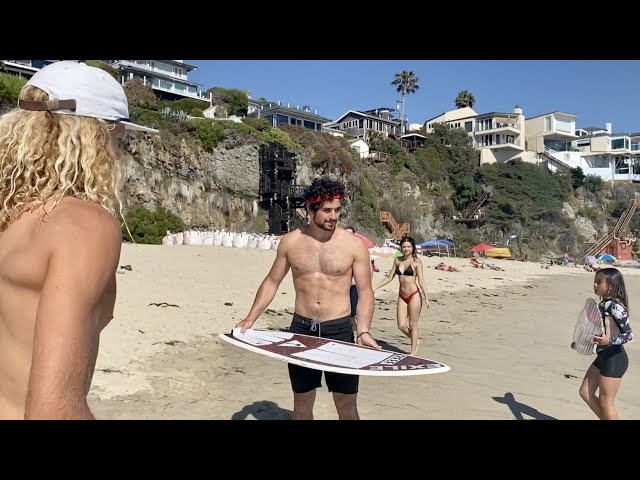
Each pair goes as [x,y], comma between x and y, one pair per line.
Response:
[59,237]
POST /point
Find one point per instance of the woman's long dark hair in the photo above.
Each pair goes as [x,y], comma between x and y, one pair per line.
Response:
[413,245]
[617,289]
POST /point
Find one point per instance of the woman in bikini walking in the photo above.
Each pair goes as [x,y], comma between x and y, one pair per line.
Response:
[412,290]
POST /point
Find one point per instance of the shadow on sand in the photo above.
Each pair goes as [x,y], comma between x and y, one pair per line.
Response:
[389,346]
[518,409]
[263,410]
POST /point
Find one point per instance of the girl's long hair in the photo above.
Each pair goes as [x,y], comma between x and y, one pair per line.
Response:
[615,280]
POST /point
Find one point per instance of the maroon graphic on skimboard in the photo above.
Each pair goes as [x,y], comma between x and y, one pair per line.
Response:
[331,355]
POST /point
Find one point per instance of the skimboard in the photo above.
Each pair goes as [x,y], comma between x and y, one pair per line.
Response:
[588,324]
[331,355]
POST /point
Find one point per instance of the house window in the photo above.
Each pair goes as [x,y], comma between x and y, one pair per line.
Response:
[563,125]
[547,124]
[468,126]
[617,143]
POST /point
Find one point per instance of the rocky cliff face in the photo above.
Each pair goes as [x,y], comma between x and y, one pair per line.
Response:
[218,188]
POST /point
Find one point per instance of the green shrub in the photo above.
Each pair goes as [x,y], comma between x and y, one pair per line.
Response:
[209,133]
[140,95]
[149,227]
[196,112]
[10,86]
[235,101]
[590,212]
[259,124]
[186,105]
[593,183]
[280,137]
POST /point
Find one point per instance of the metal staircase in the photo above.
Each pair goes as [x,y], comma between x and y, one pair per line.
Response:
[472,209]
[558,158]
[279,195]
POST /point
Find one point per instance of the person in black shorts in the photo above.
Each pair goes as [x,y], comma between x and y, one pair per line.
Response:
[605,373]
[323,259]
[306,379]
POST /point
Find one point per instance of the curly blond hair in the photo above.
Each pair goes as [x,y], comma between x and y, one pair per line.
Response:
[45,156]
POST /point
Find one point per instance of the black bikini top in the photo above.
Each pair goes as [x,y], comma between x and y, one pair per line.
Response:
[407,271]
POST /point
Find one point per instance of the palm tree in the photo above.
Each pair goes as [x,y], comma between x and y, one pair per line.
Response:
[465,99]
[406,83]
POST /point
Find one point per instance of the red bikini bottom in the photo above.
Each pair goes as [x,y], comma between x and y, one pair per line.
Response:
[408,299]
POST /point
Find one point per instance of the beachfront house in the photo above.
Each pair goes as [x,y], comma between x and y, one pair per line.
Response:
[25,68]
[277,114]
[498,135]
[168,78]
[610,155]
[360,124]
[548,135]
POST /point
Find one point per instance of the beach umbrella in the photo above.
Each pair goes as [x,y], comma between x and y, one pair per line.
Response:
[606,258]
[366,241]
[481,247]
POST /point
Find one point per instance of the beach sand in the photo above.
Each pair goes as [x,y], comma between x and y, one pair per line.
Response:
[505,335]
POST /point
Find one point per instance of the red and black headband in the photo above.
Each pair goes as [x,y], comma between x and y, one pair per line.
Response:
[322,198]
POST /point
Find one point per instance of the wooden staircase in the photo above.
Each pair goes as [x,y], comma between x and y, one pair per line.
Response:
[397,230]
[621,224]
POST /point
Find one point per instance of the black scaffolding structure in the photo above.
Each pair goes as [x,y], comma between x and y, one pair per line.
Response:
[280,197]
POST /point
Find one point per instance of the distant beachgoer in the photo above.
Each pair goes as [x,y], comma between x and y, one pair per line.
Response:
[413,290]
[446,268]
[60,240]
[353,291]
[605,373]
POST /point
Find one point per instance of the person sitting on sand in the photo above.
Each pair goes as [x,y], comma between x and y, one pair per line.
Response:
[484,265]
[446,268]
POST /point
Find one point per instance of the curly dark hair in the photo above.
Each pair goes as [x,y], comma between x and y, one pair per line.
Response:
[322,188]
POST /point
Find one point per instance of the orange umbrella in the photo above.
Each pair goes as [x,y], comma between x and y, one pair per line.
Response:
[481,247]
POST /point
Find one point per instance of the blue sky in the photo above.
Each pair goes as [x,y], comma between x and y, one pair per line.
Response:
[597,91]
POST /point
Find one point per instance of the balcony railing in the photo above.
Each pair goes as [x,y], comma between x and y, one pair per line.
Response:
[496,126]
[517,142]
[147,67]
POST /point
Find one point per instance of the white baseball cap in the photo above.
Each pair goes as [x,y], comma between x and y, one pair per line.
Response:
[77,89]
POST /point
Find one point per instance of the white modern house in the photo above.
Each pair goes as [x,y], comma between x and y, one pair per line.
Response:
[597,151]
[500,136]
[611,156]
[168,78]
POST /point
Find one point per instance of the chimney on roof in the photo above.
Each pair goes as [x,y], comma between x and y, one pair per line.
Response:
[518,110]
[608,125]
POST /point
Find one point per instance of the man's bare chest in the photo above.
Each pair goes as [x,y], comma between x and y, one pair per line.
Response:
[326,259]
